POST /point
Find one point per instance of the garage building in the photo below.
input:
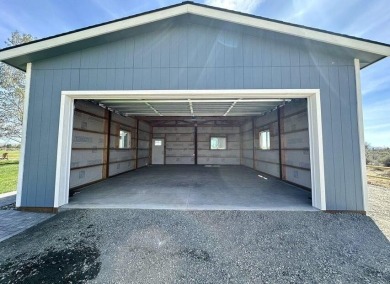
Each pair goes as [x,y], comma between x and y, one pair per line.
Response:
[194,107]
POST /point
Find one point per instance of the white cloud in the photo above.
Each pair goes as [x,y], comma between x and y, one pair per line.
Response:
[246,6]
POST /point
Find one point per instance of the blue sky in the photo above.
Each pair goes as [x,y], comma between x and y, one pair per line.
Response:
[361,18]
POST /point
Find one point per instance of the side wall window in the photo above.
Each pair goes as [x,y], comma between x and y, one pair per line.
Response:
[217,143]
[264,140]
[124,139]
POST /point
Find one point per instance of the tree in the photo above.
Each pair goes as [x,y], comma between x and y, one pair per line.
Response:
[12,82]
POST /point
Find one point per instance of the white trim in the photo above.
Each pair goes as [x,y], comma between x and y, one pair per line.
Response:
[290,30]
[361,132]
[201,11]
[314,117]
[24,133]
[93,32]
[64,152]
[316,150]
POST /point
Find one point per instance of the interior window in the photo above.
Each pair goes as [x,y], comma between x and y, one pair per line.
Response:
[264,140]
[218,143]
[124,139]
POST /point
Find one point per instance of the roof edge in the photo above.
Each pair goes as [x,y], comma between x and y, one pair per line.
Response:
[200,10]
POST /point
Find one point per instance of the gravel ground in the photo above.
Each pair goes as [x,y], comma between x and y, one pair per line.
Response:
[157,246]
[379,208]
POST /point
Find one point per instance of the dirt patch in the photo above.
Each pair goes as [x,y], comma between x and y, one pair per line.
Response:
[379,208]
[73,265]
[378,177]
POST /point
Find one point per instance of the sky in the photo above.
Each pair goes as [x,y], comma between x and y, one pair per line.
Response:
[361,18]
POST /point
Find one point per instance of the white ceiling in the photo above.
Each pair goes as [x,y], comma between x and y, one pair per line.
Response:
[193,107]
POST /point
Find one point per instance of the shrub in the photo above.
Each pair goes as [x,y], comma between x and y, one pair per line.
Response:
[386,161]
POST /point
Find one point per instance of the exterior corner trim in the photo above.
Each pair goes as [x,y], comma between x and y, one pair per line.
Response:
[19,191]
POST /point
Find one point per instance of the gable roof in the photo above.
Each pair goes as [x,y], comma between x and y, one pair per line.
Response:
[18,56]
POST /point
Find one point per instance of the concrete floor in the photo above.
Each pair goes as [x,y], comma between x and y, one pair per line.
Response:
[189,187]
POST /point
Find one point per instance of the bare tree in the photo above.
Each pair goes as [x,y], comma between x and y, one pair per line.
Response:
[12,83]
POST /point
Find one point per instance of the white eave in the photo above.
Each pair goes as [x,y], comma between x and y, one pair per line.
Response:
[200,10]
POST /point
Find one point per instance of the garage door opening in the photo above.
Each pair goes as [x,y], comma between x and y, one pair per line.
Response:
[228,152]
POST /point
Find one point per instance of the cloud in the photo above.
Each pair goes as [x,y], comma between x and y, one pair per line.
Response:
[246,6]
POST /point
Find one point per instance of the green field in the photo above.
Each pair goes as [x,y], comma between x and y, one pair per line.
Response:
[9,171]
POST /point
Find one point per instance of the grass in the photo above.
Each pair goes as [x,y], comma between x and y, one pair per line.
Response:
[9,171]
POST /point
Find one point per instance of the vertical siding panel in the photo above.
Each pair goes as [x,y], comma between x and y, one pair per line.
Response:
[174,78]
[249,78]
[101,79]
[183,46]
[219,78]
[53,134]
[286,77]
[276,77]
[92,79]
[328,138]
[258,77]
[137,79]
[238,78]
[219,49]
[119,78]
[304,72]
[192,46]
[75,79]
[147,51]
[229,44]
[248,43]
[155,83]
[210,48]
[257,52]
[84,77]
[355,138]
[40,198]
[337,138]
[129,53]
[238,51]
[128,79]
[174,48]
[210,78]
[35,138]
[295,78]
[138,51]
[267,77]
[164,78]
[120,54]
[229,78]
[266,57]
[146,75]
[183,76]
[349,166]
[200,51]
[156,51]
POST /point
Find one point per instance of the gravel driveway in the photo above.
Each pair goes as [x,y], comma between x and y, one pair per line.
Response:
[152,246]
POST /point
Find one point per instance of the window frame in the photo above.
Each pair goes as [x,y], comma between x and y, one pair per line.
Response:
[128,146]
[218,136]
[268,140]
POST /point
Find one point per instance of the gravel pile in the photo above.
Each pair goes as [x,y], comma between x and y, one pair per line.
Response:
[152,246]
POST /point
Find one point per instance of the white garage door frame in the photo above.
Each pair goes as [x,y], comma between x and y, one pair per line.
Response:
[64,147]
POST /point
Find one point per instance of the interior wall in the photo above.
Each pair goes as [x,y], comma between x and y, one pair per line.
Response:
[95,154]
[179,144]
[144,145]
[247,144]
[295,148]
[88,144]
[288,160]
[230,156]
[267,161]
[122,160]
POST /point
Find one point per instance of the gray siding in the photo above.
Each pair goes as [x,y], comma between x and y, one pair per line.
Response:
[192,56]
